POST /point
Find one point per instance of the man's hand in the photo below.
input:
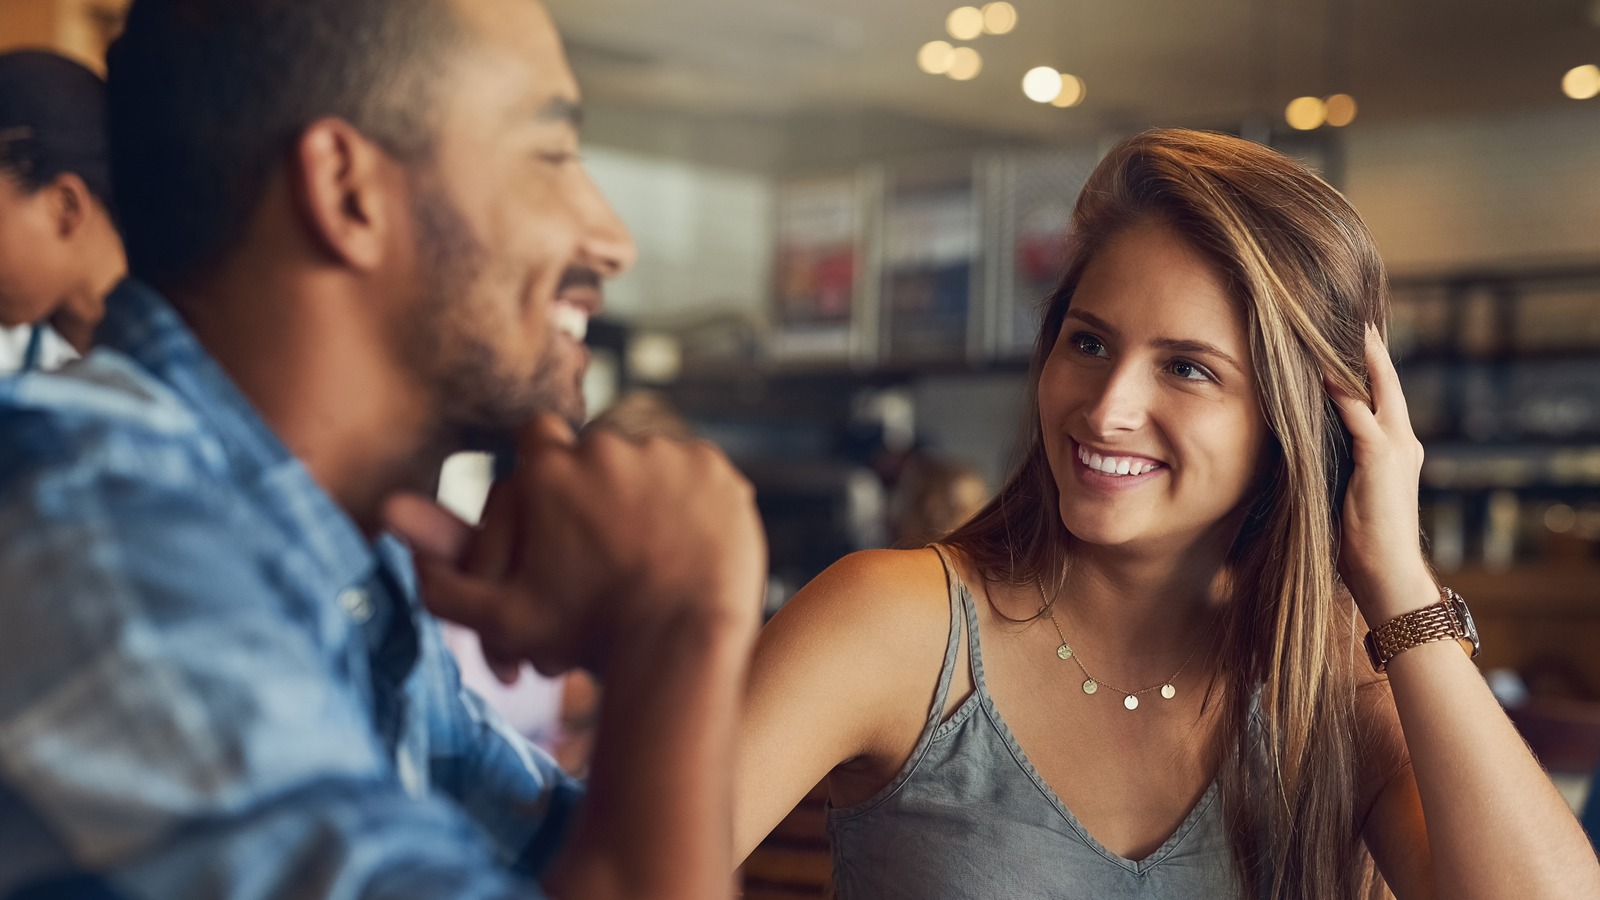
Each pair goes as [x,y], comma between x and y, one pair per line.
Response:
[642,562]
[593,539]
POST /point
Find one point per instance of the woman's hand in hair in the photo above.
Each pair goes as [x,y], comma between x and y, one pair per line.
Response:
[1380,555]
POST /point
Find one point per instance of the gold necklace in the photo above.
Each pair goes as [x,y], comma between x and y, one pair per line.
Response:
[1092,684]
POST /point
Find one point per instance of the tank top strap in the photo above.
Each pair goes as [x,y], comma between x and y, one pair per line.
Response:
[960,608]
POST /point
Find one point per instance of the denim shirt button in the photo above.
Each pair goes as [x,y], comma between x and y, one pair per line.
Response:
[356,604]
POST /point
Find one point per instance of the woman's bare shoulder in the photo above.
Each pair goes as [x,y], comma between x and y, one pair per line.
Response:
[874,583]
[903,590]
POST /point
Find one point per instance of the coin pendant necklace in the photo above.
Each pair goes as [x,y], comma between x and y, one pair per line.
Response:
[1091,684]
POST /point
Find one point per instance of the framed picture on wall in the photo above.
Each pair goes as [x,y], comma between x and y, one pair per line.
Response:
[932,250]
[1029,199]
[824,298]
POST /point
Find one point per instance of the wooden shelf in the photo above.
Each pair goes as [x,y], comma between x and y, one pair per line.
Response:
[1542,621]
[1556,590]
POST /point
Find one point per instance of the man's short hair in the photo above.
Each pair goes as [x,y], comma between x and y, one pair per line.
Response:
[52,122]
[207,96]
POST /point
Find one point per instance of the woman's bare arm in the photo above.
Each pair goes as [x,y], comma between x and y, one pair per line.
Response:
[846,670]
[1474,817]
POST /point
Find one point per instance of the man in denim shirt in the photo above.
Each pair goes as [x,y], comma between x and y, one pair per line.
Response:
[361,240]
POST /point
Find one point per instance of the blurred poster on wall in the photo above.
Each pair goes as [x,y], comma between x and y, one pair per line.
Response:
[930,253]
[1030,200]
[818,269]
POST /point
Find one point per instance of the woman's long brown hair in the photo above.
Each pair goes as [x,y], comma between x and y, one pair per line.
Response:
[1304,269]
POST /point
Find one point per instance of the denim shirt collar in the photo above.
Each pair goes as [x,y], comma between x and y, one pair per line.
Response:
[144,326]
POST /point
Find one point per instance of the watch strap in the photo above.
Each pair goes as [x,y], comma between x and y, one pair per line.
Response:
[1435,622]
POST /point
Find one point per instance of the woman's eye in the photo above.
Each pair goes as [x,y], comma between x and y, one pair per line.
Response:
[1189,371]
[1088,344]
[557,158]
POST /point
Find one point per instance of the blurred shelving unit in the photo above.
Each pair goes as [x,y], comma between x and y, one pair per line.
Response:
[1502,375]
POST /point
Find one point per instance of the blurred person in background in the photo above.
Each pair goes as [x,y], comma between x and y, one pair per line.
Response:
[931,497]
[60,253]
[1179,526]
[360,239]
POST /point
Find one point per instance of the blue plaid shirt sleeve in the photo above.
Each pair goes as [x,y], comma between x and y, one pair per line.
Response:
[481,761]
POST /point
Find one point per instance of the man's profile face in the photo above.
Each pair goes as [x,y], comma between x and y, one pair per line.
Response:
[512,236]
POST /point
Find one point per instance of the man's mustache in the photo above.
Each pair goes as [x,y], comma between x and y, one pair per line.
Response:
[579,276]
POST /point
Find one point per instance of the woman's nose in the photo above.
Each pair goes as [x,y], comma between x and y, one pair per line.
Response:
[1122,403]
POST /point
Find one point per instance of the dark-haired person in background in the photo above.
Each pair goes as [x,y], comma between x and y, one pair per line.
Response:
[60,253]
[360,238]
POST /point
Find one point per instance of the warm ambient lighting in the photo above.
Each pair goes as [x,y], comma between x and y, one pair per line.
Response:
[1340,110]
[964,23]
[965,64]
[1072,93]
[999,17]
[1305,113]
[935,57]
[1581,82]
[1042,84]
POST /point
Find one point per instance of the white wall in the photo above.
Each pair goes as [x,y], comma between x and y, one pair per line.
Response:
[1470,192]
[705,236]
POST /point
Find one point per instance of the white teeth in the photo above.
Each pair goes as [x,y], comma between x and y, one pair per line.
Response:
[569,320]
[1112,465]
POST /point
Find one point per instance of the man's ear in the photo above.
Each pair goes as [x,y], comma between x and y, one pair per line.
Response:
[344,187]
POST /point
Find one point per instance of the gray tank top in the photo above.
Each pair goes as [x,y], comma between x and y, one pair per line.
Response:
[969,818]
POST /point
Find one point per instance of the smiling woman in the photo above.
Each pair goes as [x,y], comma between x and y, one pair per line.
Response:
[1179,525]
[1145,385]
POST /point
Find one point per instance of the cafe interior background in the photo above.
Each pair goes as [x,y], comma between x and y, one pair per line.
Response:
[847,213]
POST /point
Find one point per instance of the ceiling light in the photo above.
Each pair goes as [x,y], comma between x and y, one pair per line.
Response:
[935,56]
[964,23]
[965,64]
[1340,110]
[1073,90]
[999,17]
[1305,113]
[1581,82]
[1042,84]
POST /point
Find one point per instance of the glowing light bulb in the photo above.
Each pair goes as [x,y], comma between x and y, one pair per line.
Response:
[1581,82]
[964,23]
[965,64]
[1340,110]
[935,56]
[1042,84]
[1305,113]
[1073,90]
[999,17]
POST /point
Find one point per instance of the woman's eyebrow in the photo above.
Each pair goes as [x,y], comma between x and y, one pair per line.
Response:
[1176,345]
[1196,347]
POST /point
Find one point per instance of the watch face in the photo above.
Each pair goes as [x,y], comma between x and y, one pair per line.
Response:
[1469,628]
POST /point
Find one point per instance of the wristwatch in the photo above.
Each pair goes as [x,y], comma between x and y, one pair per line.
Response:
[1449,619]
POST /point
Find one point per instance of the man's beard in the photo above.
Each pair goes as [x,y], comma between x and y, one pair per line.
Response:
[477,403]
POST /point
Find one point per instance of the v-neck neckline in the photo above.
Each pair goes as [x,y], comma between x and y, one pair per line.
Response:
[991,710]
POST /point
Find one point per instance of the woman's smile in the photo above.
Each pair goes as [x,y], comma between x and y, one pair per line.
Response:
[1107,471]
